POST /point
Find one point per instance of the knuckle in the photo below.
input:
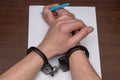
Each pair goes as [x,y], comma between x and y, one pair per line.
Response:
[58,22]
[80,22]
[67,16]
[72,15]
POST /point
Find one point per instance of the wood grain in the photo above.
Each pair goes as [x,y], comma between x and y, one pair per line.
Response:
[14,32]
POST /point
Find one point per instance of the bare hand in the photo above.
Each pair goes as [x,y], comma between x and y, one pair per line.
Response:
[59,37]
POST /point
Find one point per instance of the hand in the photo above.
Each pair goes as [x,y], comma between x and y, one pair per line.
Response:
[59,37]
[49,16]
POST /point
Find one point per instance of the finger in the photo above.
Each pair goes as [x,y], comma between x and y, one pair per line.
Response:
[63,11]
[51,5]
[62,23]
[48,16]
[74,25]
[80,35]
[64,17]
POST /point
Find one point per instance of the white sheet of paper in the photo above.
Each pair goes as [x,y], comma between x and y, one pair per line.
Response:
[38,29]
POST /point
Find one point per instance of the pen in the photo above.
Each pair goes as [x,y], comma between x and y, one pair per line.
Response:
[58,7]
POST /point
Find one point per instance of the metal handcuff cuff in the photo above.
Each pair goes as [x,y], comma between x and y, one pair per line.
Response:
[48,69]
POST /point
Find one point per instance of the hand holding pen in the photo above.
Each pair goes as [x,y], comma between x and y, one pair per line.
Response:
[58,13]
[64,24]
[57,7]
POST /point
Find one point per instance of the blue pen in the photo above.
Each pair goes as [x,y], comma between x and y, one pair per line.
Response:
[58,7]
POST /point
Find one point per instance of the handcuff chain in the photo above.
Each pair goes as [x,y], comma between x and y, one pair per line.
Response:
[55,70]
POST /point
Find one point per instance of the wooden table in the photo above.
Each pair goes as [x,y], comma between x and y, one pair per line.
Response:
[14,32]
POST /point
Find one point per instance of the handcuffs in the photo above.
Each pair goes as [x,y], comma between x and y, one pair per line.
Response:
[48,69]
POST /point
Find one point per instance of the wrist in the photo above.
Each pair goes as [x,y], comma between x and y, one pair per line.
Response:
[46,68]
[78,54]
[36,57]
[79,48]
[48,52]
[78,58]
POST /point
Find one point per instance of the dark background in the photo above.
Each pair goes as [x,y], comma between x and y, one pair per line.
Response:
[14,32]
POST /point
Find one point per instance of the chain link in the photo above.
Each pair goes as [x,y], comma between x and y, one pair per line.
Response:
[55,70]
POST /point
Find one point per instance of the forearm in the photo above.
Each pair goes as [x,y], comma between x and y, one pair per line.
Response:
[26,69]
[80,67]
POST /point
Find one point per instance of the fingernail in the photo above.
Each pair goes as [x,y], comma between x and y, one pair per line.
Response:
[90,29]
[45,11]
